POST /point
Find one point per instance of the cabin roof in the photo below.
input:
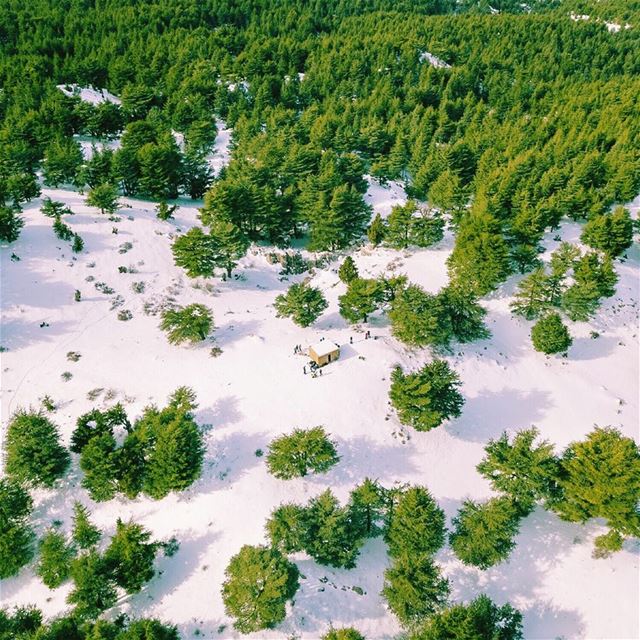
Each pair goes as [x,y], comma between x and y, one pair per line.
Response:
[324,348]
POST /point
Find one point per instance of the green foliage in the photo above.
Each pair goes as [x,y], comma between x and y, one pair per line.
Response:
[32,449]
[428,397]
[195,252]
[149,630]
[192,323]
[55,557]
[409,225]
[550,335]
[363,297]
[93,590]
[368,504]
[345,633]
[62,160]
[414,588]
[348,270]
[483,533]
[164,211]
[16,535]
[481,619]
[54,209]
[415,524]
[98,462]
[286,528]
[230,244]
[609,232]
[129,557]
[376,231]
[85,534]
[466,316]
[607,544]
[600,478]
[302,452]
[11,224]
[104,197]
[302,303]
[259,581]
[525,472]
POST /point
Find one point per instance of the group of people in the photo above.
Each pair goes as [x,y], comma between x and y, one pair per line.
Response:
[297,350]
[313,368]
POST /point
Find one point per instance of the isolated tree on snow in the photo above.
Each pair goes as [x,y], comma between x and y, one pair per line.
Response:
[164,211]
[428,397]
[195,252]
[130,556]
[259,582]
[11,224]
[192,323]
[348,270]
[609,232]
[16,534]
[33,450]
[93,588]
[104,197]
[286,528]
[377,230]
[55,557]
[414,588]
[230,244]
[302,303]
[550,335]
[54,209]
[302,452]
[524,472]
[480,619]
[415,524]
[483,533]
[345,633]
[600,478]
[363,297]
[84,533]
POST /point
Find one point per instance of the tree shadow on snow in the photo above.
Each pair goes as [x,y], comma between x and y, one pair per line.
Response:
[592,349]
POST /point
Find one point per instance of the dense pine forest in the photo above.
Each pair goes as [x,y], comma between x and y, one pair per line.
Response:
[501,120]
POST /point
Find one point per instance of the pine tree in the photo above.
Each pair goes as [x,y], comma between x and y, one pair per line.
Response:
[89,425]
[196,252]
[302,452]
[192,323]
[54,209]
[483,533]
[426,398]
[286,528]
[93,589]
[230,244]
[377,231]
[130,556]
[609,232]
[550,335]
[164,211]
[465,314]
[62,159]
[148,630]
[33,450]
[419,318]
[302,303]
[84,533]
[481,619]
[345,633]
[54,563]
[447,193]
[62,230]
[104,197]
[160,166]
[415,524]
[11,224]
[414,588]
[16,534]
[78,244]
[367,505]
[534,295]
[427,228]
[363,297]
[524,472]
[348,270]
[399,222]
[259,582]
[98,462]
[600,478]
[131,464]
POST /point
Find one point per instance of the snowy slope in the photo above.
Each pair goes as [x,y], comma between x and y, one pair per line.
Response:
[256,390]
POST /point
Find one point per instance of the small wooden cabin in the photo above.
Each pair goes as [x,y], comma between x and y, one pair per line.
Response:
[324,352]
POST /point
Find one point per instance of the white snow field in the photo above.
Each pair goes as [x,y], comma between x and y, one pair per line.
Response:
[255,390]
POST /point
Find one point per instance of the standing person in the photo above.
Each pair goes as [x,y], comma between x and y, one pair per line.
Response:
[304,370]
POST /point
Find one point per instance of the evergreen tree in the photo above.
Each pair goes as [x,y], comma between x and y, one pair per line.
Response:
[84,533]
[195,252]
[259,583]
[196,174]
[414,588]
[304,451]
[600,478]
[607,544]
[54,209]
[89,425]
[415,524]
[345,633]
[104,197]
[348,270]
[609,232]
[363,297]
[377,231]
[534,296]
[367,505]
[302,303]
[33,452]
[286,528]
[524,472]
[399,222]
[11,224]
[419,318]
[483,533]
[98,462]
[22,187]
[164,211]
[465,314]
[447,193]
[16,535]
[54,563]
[427,228]
[192,323]
[481,619]
[426,398]
[550,335]
[148,630]
[62,159]
[78,244]
[131,464]
[93,589]
[62,230]
[230,244]
[160,166]
[130,556]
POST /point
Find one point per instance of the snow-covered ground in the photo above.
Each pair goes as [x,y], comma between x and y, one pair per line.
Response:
[89,94]
[256,390]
